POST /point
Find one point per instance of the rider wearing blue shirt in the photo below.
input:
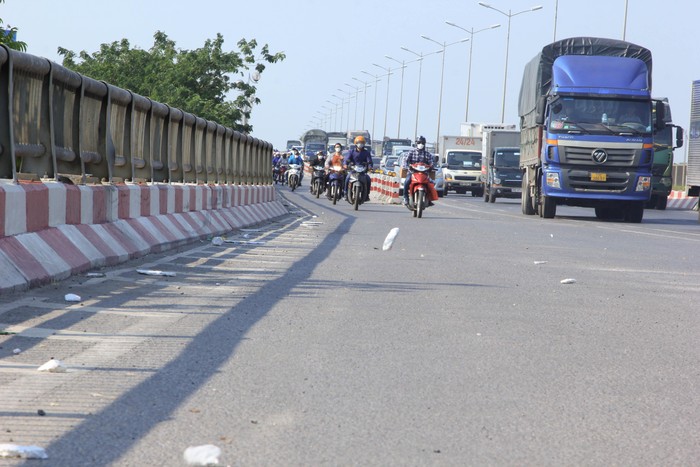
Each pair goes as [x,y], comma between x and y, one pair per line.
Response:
[359,155]
[295,158]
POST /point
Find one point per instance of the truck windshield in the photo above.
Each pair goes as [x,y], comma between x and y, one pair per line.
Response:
[465,160]
[593,115]
[506,158]
[389,145]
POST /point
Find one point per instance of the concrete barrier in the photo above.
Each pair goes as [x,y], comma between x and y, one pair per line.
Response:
[681,200]
[49,231]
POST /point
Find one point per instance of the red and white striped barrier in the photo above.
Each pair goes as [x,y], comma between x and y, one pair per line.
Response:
[387,187]
[49,231]
[681,200]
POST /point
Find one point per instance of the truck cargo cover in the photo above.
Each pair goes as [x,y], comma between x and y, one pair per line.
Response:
[537,77]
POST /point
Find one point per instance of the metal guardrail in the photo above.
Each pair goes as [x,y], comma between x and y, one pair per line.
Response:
[61,125]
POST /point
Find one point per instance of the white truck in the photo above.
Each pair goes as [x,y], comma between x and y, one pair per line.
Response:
[461,164]
[500,165]
[478,129]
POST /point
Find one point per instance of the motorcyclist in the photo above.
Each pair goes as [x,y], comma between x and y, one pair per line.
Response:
[416,155]
[359,155]
[318,159]
[295,158]
[337,159]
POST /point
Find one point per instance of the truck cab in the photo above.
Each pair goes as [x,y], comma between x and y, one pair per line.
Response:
[462,171]
[503,175]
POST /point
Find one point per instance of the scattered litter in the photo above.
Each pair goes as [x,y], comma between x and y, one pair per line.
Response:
[478,333]
[246,235]
[71,297]
[217,241]
[540,262]
[96,274]
[207,454]
[151,272]
[389,240]
[41,412]
[17,351]
[245,242]
[53,366]
[551,235]
[568,281]
[23,452]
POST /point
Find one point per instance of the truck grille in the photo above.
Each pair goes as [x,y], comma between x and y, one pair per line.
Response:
[617,157]
[580,180]
[465,177]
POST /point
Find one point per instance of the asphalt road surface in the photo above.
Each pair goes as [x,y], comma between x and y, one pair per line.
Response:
[301,342]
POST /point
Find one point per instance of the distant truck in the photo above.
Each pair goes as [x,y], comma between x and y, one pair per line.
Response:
[461,163]
[389,143]
[335,137]
[293,142]
[478,129]
[313,141]
[500,165]
[587,128]
[693,173]
[351,135]
[662,168]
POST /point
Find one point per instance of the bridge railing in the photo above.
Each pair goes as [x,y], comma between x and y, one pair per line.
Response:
[61,125]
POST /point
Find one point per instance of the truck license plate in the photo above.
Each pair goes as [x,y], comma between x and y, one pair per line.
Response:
[598,177]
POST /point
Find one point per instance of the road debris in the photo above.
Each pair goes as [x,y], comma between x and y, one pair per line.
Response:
[217,241]
[22,452]
[151,272]
[207,454]
[568,281]
[540,262]
[389,240]
[53,366]
[71,297]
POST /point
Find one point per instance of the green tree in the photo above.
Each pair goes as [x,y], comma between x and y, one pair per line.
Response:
[8,36]
[197,81]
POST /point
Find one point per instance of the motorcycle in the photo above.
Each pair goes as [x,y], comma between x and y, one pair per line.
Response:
[318,181]
[421,191]
[293,177]
[278,174]
[336,179]
[357,187]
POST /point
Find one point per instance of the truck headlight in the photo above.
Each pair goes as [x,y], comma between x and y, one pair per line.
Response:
[553,180]
[448,176]
[643,183]
[497,181]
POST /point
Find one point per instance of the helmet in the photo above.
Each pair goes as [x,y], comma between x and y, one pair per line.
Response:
[319,153]
[420,139]
[359,139]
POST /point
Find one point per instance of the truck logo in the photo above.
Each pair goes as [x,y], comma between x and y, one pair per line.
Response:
[599,156]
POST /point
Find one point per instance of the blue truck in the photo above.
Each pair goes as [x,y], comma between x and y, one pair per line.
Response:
[587,128]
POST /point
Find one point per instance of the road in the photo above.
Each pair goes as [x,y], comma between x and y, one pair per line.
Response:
[304,343]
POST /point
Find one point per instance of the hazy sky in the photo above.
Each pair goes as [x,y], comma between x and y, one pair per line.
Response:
[328,43]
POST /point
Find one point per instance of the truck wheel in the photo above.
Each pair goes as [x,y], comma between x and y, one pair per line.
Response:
[492,197]
[661,202]
[526,198]
[634,212]
[548,207]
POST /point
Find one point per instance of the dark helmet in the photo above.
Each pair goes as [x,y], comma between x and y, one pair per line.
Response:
[420,139]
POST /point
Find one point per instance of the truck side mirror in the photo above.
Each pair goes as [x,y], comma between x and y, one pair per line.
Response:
[539,110]
[679,137]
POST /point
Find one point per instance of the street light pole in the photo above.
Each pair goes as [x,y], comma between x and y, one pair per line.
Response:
[444,46]
[357,96]
[347,122]
[364,103]
[624,24]
[376,86]
[342,110]
[471,46]
[403,66]
[420,70]
[505,74]
[386,107]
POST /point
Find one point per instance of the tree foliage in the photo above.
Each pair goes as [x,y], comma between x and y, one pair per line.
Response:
[197,81]
[9,36]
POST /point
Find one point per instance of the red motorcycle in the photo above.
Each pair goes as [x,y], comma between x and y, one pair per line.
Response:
[421,191]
